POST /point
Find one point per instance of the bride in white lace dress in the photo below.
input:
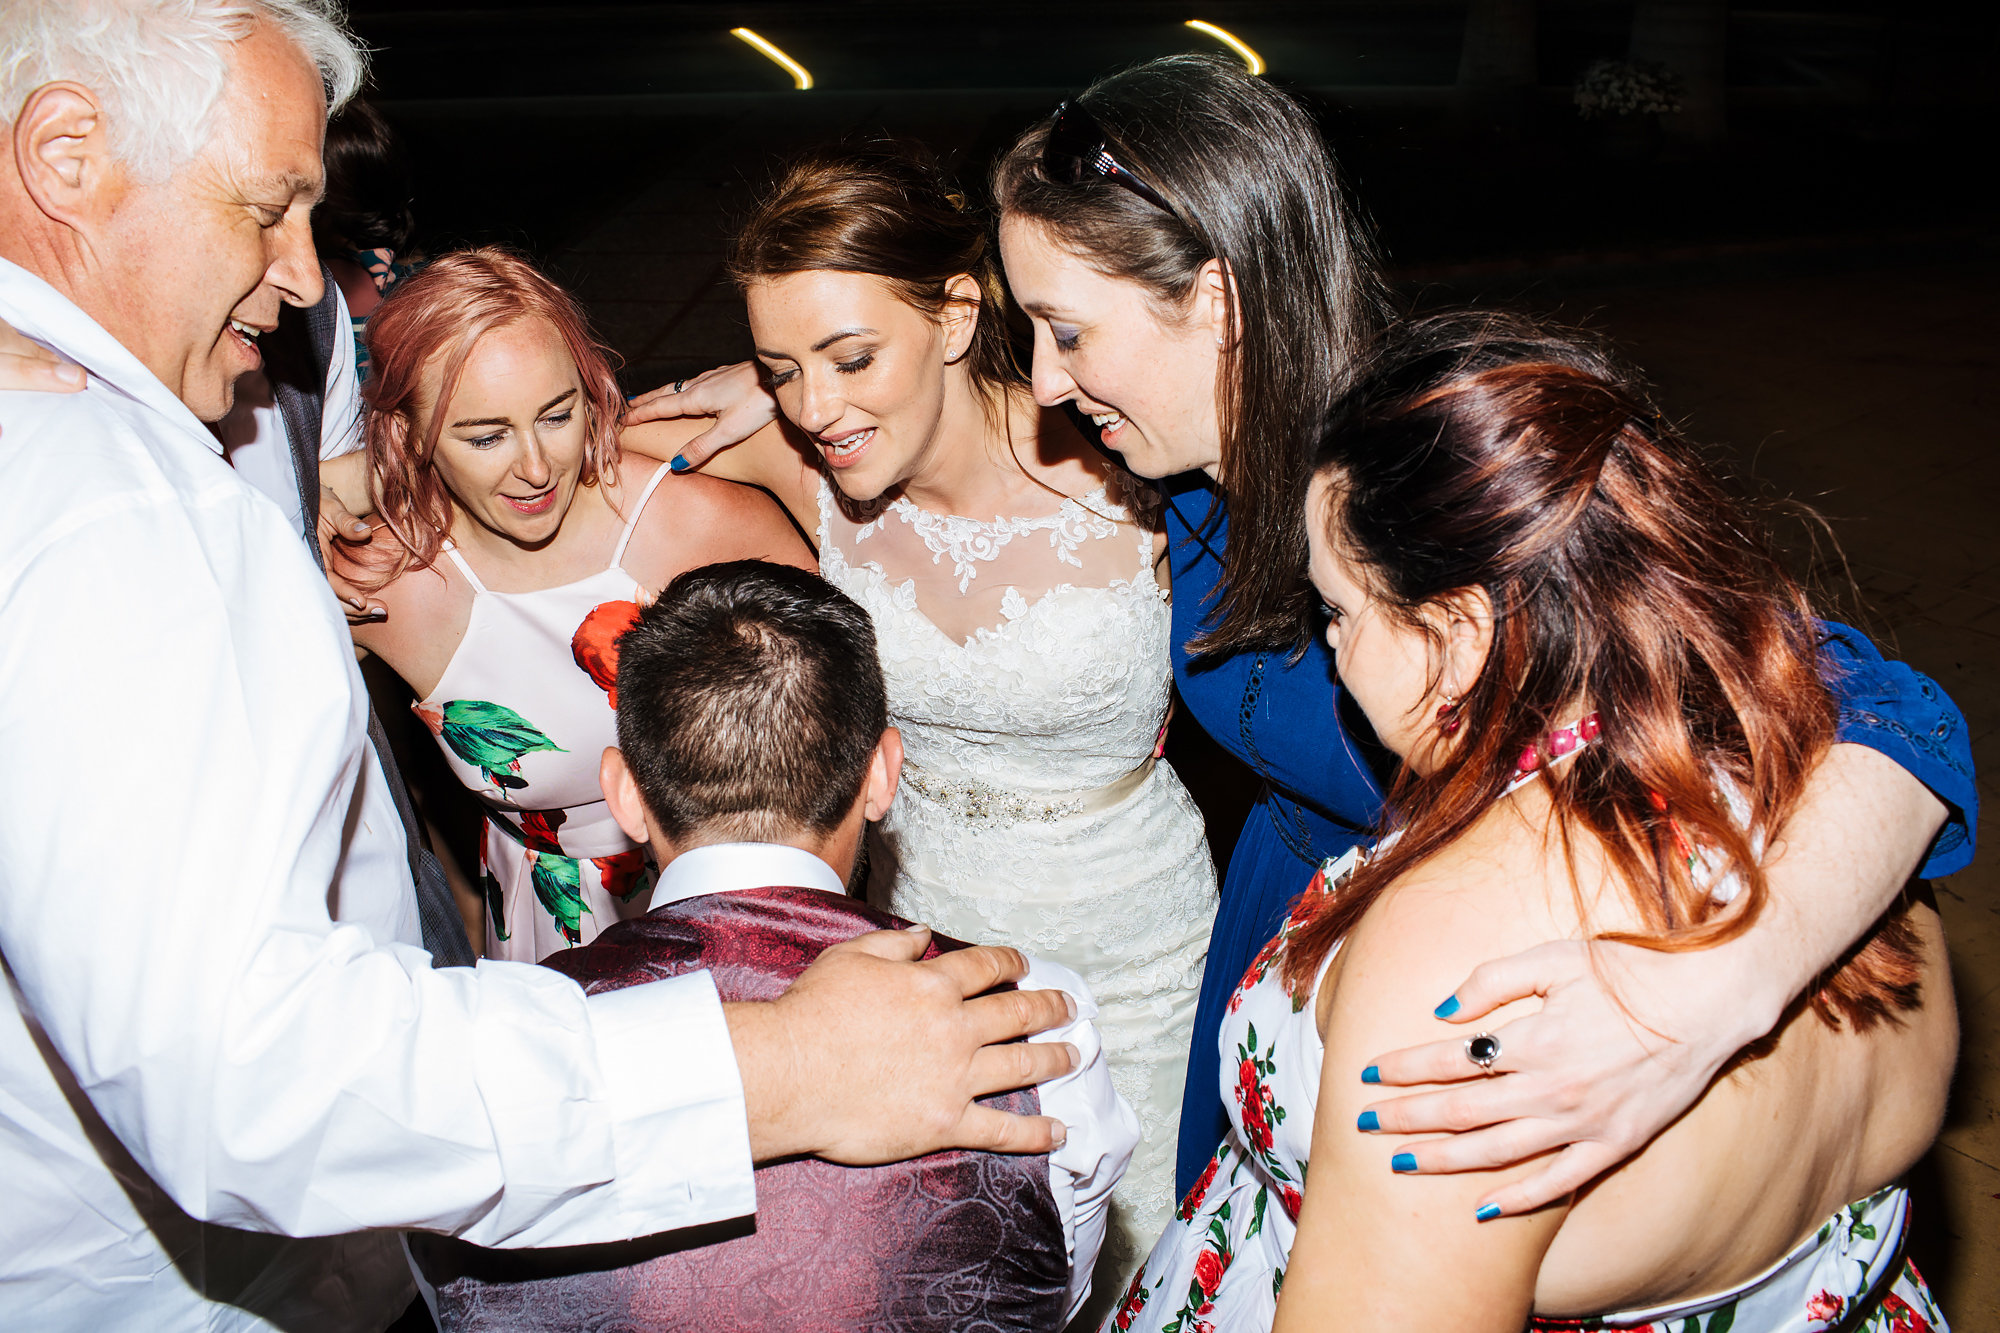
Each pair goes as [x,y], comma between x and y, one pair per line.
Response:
[1026,653]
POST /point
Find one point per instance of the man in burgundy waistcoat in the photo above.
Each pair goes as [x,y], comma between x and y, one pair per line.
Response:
[754,747]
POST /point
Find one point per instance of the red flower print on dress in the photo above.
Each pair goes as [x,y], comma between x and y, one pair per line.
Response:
[538,830]
[1293,1203]
[1208,1271]
[1825,1307]
[595,643]
[624,874]
[1192,1204]
[1253,1099]
[1902,1316]
[1134,1302]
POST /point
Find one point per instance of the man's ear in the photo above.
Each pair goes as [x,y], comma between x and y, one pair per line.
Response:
[885,770]
[1213,309]
[1466,620]
[960,317]
[621,793]
[62,148]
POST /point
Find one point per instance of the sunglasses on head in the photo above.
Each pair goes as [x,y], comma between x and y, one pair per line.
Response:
[1078,147]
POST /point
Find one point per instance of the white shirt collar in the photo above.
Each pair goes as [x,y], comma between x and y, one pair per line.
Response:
[725,867]
[44,314]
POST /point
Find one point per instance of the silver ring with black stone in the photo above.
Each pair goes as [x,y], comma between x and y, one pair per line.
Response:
[1482,1048]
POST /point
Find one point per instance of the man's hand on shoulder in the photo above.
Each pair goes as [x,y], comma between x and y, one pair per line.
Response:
[873,1056]
[34,368]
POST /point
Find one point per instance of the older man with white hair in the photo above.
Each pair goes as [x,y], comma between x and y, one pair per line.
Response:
[200,1063]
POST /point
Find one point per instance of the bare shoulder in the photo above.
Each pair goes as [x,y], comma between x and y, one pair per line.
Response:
[693,520]
[1370,1236]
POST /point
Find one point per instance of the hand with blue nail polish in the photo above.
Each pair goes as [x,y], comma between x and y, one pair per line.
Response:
[735,396]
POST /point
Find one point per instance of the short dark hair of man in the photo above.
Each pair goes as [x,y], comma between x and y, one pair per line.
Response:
[750,701]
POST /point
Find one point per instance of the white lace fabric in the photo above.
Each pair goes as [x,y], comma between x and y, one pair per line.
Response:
[1057,685]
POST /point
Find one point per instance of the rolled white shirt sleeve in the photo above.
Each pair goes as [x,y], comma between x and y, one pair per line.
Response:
[1103,1129]
[183,724]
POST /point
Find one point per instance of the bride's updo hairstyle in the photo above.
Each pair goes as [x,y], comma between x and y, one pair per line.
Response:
[884,209]
[428,327]
[1252,184]
[1485,451]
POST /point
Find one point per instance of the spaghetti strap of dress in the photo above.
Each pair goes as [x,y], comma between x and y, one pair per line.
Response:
[451,549]
[632,523]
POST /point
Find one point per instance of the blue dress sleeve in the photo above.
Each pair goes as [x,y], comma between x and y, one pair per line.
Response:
[1900,712]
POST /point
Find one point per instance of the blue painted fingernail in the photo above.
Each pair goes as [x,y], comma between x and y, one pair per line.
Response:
[680,464]
[1403,1163]
[1448,1008]
[1368,1124]
[1487,1212]
[1371,1075]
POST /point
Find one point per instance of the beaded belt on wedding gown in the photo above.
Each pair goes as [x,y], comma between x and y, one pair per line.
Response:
[969,798]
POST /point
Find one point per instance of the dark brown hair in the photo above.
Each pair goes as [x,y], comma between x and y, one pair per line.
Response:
[1485,451]
[884,209]
[1252,184]
[368,185]
[750,701]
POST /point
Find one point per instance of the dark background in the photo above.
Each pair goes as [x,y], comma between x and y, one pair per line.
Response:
[1841,121]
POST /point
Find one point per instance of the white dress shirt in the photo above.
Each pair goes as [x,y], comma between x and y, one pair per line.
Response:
[1103,1130]
[373,883]
[191,1034]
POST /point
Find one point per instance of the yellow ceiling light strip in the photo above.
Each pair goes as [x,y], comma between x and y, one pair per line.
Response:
[1228,39]
[801,76]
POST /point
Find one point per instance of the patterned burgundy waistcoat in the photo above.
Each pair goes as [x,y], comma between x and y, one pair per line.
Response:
[949,1242]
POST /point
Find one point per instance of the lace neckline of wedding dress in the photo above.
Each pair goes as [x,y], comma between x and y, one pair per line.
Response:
[970,540]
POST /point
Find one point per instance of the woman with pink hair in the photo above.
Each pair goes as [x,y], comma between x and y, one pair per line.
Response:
[515,542]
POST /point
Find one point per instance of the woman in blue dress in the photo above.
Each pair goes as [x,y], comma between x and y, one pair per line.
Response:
[1198,287]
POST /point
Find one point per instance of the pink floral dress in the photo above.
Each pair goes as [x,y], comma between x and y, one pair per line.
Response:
[1220,1265]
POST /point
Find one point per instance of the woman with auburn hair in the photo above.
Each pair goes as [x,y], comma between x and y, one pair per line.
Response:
[1606,696]
[516,541]
[1179,239]
[1014,575]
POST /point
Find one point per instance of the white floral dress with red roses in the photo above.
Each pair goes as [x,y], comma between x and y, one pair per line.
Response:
[1220,1266]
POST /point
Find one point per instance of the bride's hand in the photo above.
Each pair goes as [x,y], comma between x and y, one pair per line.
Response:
[1626,1040]
[734,395]
[33,368]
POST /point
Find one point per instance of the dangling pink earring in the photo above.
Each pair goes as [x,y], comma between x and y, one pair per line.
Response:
[1448,719]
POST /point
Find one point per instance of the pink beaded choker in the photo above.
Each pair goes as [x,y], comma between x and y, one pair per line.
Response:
[1559,743]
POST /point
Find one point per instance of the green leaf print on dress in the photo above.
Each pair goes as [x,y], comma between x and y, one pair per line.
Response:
[486,736]
[559,888]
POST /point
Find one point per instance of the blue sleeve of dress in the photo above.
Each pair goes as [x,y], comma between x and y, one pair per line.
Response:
[1902,713]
